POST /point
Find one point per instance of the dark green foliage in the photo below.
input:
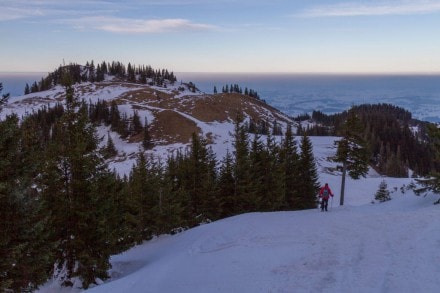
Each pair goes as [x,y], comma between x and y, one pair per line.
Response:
[90,73]
[352,151]
[387,129]
[146,140]
[25,250]
[432,183]
[290,165]
[4,97]
[308,187]
[76,188]
[110,149]
[382,193]
[226,187]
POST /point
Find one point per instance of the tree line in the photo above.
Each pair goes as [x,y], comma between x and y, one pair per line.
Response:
[396,141]
[235,88]
[143,74]
[64,213]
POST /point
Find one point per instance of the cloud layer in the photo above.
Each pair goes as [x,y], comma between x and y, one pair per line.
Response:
[373,9]
[138,26]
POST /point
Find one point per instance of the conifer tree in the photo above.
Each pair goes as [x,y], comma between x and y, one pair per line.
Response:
[200,179]
[308,189]
[27,89]
[143,191]
[289,160]
[76,187]
[242,174]
[432,183]
[110,149]
[226,186]
[382,193]
[4,97]
[352,151]
[25,249]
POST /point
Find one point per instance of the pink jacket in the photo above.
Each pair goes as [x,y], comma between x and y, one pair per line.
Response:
[321,192]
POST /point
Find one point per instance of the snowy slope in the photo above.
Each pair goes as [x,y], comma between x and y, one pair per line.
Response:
[359,247]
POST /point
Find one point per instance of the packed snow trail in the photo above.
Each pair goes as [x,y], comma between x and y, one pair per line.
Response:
[389,247]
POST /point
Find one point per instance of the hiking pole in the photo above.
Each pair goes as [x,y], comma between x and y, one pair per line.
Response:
[331,203]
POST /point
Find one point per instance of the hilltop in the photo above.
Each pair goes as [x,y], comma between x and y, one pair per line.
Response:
[173,112]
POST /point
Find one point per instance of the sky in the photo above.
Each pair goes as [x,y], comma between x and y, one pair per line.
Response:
[303,36]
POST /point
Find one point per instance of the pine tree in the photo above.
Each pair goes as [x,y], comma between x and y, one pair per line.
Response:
[382,193]
[143,191]
[226,186]
[432,183]
[27,89]
[352,151]
[200,179]
[289,160]
[242,174]
[4,97]
[25,249]
[146,140]
[77,191]
[110,149]
[309,186]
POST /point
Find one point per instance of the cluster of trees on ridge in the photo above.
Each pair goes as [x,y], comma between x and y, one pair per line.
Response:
[60,204]
[235,88]
[144,74]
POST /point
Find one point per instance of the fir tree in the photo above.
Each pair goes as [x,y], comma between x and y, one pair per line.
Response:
[4,97]
[143,191]
[289,160]
[432,183]
[76,187]
[25,249]
[226,186]
[352,151]
[382,193]
[110,149]
[242,174]
[309,186]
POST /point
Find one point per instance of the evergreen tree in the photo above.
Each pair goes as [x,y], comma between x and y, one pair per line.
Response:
[309,186]
[289,160]
[146,140]
[382,193]
[110,149]
[27,89]
[25,249]
[4,97]
[226,187]
[432,183]
[200,179]
[242,174]
[77,187]
[143,191]
[352,151]
[136,124]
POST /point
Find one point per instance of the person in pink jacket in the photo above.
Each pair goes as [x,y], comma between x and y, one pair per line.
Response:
[324,194]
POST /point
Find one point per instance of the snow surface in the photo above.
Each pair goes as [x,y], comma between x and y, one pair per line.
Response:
[358,247]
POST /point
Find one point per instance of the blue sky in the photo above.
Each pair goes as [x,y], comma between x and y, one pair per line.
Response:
[375,36]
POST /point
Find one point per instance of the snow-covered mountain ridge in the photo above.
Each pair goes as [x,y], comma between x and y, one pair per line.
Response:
[173,113]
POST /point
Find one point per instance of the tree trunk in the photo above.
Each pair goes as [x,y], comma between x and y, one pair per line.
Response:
[344,172]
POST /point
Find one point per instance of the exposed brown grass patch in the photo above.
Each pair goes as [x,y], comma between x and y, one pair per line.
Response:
[171,127]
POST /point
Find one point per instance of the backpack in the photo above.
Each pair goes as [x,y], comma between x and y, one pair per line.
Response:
[325,193]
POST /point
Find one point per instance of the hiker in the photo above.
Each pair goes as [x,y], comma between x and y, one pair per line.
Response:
[325,193]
